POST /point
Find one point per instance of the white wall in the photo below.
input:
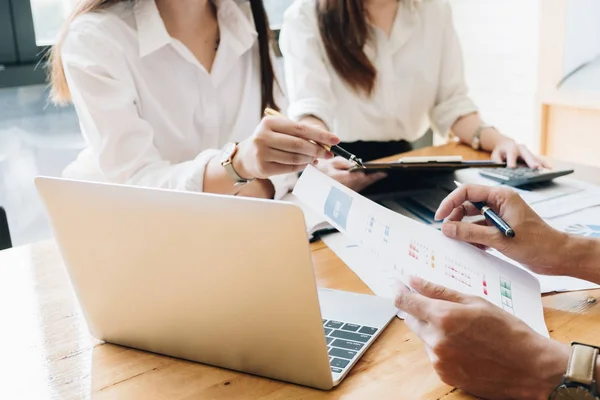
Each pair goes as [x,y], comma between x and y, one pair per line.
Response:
[500,45]
[582,36]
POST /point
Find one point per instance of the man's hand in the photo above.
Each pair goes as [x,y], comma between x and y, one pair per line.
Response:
[479,348]
[535,244]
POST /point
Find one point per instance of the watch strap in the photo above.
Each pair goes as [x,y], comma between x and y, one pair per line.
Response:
[582,363]
[476,139]
[234,175]
[227,163]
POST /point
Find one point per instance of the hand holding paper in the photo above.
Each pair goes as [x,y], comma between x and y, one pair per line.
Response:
[402,248]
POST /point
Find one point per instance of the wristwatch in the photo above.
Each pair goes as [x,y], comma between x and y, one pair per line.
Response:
[579,382]
[228,153]
[476,141]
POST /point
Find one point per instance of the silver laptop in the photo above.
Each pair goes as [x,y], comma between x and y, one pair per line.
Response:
[221,280]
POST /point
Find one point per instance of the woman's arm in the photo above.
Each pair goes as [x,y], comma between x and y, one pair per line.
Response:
[307,78]
[105,97]
[502,147]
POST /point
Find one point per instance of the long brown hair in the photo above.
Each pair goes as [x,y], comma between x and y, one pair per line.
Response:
[344,30]
[60,90]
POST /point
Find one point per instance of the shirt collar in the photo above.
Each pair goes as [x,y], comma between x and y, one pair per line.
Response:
[236,24]
[152,33]
[235,27]
[408,18]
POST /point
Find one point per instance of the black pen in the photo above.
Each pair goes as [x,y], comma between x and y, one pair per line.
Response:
[491,216]
[337,150]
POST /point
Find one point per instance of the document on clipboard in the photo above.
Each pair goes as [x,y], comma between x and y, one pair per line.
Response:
[439,163]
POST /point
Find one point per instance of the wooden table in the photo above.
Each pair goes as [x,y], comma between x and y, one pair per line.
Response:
[46,351]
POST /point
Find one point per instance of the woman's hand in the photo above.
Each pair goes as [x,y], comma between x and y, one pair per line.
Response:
[508,150]
[280,146]
[337,168]
[502,147]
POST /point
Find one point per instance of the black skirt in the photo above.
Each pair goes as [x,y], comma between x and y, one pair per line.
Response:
[369,151]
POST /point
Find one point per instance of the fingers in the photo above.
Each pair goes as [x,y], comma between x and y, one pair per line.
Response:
[493,196]
[512,155]
[415,325]
[376,177]
[529,158]
[413,303]
[358,180]
[294,145]
[433,291]
[300,130]
[341,163]
[464,210]
[488,236]
[497,155]
[284,157]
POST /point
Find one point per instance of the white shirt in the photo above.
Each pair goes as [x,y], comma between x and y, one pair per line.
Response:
[150,112]
[420,78]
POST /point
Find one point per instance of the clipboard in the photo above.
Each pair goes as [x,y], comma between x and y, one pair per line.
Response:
[433,164]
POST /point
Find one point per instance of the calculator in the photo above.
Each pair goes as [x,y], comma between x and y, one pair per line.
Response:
[522,176]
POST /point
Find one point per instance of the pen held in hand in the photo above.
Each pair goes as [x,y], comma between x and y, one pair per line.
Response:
[491,216]
[337,150]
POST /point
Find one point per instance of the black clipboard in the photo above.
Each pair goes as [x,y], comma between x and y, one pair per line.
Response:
[431,165]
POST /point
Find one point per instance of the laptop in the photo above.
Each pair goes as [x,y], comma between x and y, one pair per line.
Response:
[221,280]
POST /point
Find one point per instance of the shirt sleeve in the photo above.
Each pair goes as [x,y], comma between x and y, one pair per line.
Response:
[121,141]
[308,80]
[452,100]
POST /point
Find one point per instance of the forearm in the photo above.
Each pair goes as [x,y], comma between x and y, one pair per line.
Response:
[465,127]
[217,180]
[312,120]
[581,258]
[550,367]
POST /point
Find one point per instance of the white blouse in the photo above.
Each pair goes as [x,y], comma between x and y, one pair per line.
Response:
[420,78]
[151,114]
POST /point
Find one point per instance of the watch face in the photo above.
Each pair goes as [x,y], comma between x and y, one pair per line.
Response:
[573,393]
[228,152]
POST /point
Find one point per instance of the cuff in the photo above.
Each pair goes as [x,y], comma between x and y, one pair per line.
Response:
[314,107]
[195,181]
[283,184]
[444,115]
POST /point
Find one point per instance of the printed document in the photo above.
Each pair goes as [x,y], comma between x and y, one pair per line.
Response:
[400,247]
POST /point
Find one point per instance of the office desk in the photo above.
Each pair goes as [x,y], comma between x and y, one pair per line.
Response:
[47,352]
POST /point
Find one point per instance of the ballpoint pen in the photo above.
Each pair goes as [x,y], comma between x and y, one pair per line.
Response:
[337,150]
[491,216]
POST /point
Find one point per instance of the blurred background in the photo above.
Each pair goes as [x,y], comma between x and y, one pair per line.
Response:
[531,65]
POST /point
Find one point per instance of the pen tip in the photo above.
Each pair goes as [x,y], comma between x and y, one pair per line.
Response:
[510,233]
[358,162]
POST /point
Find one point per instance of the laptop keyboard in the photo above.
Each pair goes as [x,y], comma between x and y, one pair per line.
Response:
[344,342]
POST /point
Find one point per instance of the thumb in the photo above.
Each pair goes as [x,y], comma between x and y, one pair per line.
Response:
[434,291]
[341,163]
[377,176]
[472,233]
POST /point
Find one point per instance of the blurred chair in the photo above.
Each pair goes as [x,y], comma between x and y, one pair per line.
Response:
[5,242]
